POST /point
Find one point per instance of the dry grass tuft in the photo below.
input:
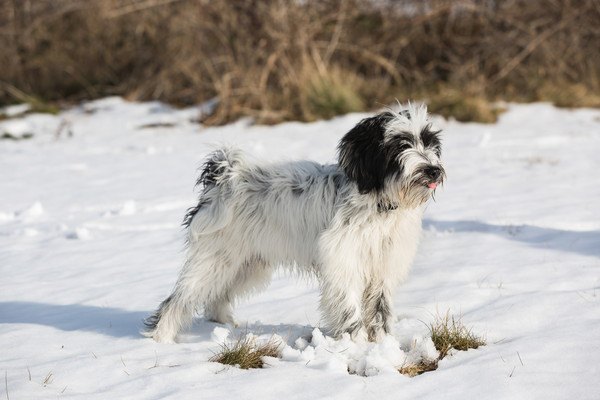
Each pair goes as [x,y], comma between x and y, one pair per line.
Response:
[246,353]
[448,332]
[334,94]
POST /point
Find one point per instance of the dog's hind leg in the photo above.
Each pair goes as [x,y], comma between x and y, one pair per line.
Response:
[220,309]
[164,324]
[253,275]
[204,278]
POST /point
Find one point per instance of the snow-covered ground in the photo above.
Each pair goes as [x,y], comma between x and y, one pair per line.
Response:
[91,242]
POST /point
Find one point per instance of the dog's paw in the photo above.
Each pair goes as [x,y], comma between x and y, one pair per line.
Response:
[158,337]
[165,339]
[220,315]
[229,320]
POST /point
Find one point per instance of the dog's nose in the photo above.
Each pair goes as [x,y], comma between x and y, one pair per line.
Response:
[433,173]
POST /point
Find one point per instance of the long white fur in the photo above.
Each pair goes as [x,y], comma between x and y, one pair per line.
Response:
[305,216]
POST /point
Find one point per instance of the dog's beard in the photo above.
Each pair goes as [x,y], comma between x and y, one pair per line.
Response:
[410,192]
[413,195]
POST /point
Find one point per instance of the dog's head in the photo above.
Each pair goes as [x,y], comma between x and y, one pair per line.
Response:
[395,155]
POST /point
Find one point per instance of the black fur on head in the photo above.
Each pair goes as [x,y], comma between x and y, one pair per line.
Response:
[362,154]
[374,149]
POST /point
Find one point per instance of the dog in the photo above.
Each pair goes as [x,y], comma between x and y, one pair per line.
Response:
[355,225]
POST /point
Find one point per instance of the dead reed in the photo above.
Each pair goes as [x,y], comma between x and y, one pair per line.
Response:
[246,353]
[286,59]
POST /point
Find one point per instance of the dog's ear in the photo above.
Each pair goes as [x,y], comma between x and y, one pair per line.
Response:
[362,155]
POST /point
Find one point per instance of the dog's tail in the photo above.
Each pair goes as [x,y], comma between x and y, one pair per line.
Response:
[212,213]
[219,168]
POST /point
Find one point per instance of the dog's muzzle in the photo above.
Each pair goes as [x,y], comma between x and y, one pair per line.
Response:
[433,176]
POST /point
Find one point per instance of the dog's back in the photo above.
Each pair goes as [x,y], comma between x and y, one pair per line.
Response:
[292,202]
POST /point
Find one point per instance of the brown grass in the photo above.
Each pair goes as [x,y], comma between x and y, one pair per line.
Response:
[421,368]
[568,95]
[453,103]
[447,332]
[245,353]
[285,59]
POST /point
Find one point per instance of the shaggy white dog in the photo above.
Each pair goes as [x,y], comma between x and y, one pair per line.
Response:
[355,225]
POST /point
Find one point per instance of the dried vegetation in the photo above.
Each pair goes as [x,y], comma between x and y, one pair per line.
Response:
[447,333]
[246,352]
[302,60]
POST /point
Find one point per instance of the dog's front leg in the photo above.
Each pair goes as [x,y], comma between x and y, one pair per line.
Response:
[341,307]
[377,311]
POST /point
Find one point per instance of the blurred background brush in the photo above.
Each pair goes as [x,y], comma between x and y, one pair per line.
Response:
[302,60]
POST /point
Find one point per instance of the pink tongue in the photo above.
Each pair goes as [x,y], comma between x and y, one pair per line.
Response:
[432,185]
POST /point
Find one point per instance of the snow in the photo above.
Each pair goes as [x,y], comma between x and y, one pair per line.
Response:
[14,110]
[219,335]
[91,242]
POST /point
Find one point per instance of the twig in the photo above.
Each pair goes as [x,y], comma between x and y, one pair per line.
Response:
[155,360]
[520,358]
[29,373]
[64,125]
[516,60]
[270,64]
[337,32]
[378,59]
[511,372]
[48,379]
[140,6]
[17,93]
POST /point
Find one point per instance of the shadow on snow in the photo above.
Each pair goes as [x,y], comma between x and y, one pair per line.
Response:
[74,317]
[121,323]
[582,242]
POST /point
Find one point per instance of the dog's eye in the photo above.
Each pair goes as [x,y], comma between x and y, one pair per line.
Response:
[430,138]
[401,142]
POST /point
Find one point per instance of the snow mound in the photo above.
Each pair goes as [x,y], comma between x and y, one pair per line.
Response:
[366,359]
[17,129]
[343,355]
[219,335]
